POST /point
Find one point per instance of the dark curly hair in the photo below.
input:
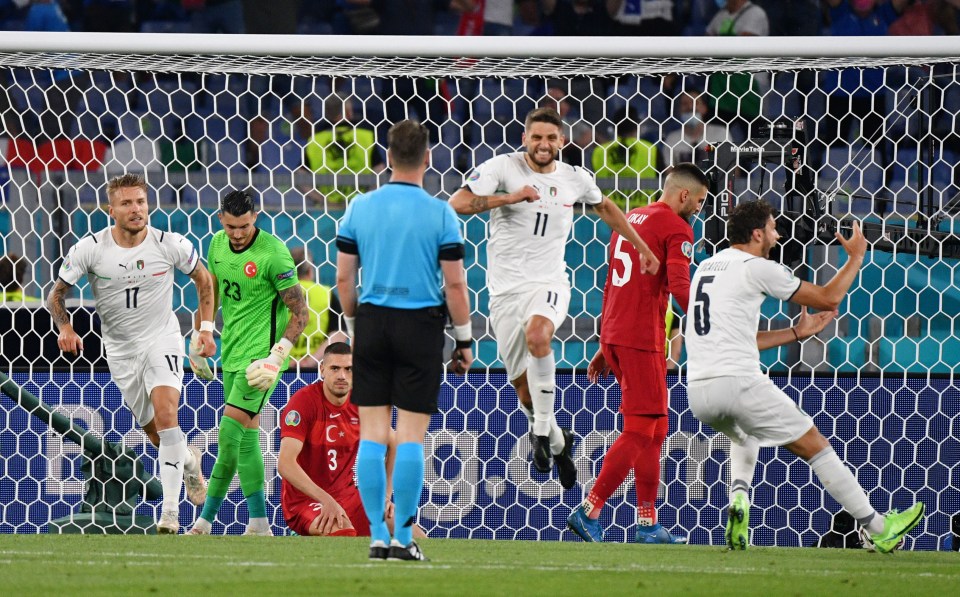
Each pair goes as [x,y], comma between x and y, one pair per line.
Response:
[745,218]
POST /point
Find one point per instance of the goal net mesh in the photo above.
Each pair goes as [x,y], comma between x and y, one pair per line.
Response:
[825,140]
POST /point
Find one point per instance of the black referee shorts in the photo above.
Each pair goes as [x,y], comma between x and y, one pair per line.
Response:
[398,357]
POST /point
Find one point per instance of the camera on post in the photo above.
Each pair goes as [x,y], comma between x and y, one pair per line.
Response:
[806,215]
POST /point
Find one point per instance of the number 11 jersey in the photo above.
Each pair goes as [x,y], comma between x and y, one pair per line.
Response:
[527,240]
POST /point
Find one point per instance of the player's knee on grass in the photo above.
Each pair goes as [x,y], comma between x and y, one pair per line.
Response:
[346,531]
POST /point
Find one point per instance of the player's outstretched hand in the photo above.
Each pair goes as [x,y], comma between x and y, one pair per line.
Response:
[332,516]
[856,245]
[598,367]
[69,341]
[527,193]
[263,373]
[460,360]
[811,325]
[201,347]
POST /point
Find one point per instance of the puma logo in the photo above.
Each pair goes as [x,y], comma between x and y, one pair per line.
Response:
[546,391]
[122,265]
[173,464]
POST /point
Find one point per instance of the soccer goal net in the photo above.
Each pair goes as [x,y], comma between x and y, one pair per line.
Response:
[829,131]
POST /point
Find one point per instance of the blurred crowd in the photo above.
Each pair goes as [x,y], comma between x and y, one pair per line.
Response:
[489,17]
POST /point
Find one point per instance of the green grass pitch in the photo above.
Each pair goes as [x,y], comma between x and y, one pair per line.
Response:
[35,565]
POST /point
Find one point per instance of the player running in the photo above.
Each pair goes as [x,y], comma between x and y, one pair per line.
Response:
[728,391]
[130,267]
[532,198]
[264,312]
[632,345]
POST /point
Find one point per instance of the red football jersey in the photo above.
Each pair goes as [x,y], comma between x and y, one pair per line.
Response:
[330,436]
[635,304]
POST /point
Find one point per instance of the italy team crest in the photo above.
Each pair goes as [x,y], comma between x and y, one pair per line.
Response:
[139,263]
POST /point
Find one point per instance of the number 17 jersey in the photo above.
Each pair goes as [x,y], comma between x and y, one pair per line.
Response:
[527,240]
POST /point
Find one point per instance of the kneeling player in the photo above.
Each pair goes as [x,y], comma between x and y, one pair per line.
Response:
[320,434]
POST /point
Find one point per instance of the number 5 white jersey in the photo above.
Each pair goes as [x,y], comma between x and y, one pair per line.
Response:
[725,297]
[527,240]
[133,288]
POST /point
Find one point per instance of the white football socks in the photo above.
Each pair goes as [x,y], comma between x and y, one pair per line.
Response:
[171,458]
[743,462]
[541,379]
[843,487]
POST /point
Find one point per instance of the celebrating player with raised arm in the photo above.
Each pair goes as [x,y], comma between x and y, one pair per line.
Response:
[728,391]
[632,345]
[264,312]
[532,198]
[130,268]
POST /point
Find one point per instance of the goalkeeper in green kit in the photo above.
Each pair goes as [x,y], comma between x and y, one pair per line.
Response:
[264,313]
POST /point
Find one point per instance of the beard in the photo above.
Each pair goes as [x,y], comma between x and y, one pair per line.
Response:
[533,158]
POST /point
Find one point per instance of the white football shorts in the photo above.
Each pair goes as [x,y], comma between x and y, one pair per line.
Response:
[509,314]
[159,364]
[748,406]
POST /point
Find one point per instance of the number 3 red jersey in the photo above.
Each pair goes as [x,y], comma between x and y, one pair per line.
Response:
[634,304]
[330,436]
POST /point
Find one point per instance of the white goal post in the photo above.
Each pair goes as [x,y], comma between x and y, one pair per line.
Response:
[828,129]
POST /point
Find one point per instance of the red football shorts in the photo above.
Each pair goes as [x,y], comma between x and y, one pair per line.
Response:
[642,375]
[303,515]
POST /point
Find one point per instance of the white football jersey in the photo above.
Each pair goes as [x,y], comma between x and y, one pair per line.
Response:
[725,297]
[527,240]
[133,288]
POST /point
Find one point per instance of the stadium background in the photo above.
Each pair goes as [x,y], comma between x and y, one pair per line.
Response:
[898,429]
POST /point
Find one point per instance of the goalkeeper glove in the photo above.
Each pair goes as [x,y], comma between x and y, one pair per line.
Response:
[263,373]
[199,364]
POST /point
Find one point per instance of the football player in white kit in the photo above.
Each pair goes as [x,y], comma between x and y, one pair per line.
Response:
[130,268]
[532,198]
[727,389]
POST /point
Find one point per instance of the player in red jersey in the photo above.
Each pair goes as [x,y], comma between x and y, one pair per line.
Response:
[319,437]
[632,346]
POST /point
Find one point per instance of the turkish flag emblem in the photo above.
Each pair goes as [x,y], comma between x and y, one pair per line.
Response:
[250,269]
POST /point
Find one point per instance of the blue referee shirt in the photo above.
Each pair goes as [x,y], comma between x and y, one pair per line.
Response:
[400,233]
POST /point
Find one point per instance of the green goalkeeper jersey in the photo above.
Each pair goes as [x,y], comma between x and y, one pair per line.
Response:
[249,282]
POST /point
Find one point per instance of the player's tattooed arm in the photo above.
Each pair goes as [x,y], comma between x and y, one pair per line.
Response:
[67,340]
[203,280]
[57,304]
[466,202]
[295,301]
[479,204]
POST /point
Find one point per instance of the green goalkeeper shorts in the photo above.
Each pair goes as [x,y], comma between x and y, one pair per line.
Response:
[238,392]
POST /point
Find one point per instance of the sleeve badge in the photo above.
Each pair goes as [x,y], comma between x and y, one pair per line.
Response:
[292,419]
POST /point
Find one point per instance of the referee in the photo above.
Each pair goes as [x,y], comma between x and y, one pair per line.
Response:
[405,239]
